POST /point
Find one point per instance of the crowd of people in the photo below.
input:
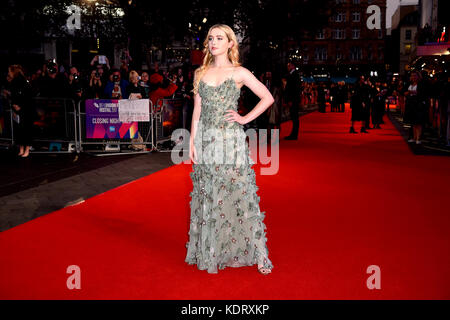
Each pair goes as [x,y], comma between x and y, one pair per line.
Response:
[101,82]
[96,81]
[421,101]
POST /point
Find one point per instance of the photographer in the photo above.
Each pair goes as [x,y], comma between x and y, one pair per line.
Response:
[116,88]
[100,60]
[95,87]
[52,83]
[74,85]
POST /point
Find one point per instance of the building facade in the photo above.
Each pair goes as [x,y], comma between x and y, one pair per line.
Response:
[346,47]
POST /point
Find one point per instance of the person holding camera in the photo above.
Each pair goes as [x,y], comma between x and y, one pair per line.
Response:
[74,85]
[100,60]
[95,87]
[51,85]
[116,88]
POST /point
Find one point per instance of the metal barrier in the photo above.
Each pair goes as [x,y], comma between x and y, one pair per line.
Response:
[6,129]
[55,130]
[168,116]
[61,128]
[117,146]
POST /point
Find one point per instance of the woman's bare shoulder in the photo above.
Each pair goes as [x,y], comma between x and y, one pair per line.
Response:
[241,70]
[242,74]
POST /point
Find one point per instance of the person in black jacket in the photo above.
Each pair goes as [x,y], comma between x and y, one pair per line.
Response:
[22,106]
[378,105]
[52,83]
[416,107]
[359,105]
[293,99]
[341,96]
[321,97]
[134,87]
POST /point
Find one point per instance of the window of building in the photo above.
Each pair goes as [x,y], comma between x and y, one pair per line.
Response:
[369,52]
[356,16]
[320,53]
[339,17]
[356,2]
[355,33]
[380,53]
[320,34]
[338,34]
[408,34]
[355,53]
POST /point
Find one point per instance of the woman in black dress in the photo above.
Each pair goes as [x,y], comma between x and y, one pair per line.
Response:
[415,107]
[22,106]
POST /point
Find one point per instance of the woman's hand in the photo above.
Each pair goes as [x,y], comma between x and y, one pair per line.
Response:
[192,152]
[234,116]
[16,107]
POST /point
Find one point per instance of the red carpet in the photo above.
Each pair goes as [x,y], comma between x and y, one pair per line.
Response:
[339,203]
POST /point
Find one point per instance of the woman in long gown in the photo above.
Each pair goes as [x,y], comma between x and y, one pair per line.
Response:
[226,224]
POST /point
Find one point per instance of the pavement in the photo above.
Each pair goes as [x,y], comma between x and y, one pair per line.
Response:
[431,144]
[42,183]
[47,183]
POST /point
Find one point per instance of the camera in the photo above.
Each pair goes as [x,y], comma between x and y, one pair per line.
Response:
[97,74]
[51,67]
[115,78]
[75,76]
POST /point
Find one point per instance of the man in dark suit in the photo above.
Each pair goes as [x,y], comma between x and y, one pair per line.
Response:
[293,99]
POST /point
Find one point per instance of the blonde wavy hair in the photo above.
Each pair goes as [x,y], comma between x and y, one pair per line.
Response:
[133,74]
[233,53]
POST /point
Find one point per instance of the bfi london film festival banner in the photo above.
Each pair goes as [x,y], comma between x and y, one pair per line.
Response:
[115,119]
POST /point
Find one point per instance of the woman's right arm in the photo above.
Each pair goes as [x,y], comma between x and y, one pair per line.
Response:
[195,115]
[194,127]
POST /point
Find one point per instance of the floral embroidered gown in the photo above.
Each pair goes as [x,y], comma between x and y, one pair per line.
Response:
[226,224]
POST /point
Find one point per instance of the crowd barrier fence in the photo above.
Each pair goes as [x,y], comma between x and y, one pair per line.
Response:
[116,145]
[61,127]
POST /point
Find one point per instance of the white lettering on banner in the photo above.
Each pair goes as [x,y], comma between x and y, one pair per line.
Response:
[106,107]
[100,120]
[131,110]
[74,20]
[373,21]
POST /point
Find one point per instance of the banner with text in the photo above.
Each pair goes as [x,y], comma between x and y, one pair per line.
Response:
[102,121]
[134,110]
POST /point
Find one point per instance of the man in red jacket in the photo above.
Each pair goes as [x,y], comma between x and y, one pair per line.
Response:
[157,91]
